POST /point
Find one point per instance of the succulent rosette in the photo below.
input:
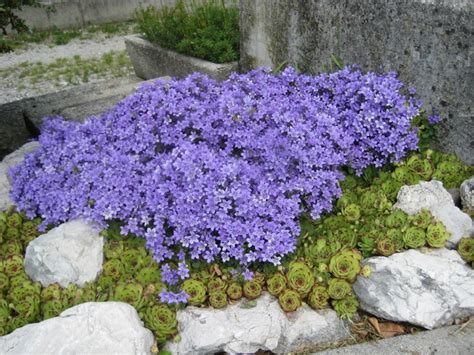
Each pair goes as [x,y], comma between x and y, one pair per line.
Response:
[29,231]
[12,247]
[113,268]
[52,308]
[105,283]
[347,237]
[276,284]
[396,235]
[234,291]
[420,166]
[289,300]
[396,219]
[300,277]
[5,310]
[216,284]
[346,307]
[26,289]
[13,265]
[19,280]
[405,176]
[14,221]
[252,289]
[218,299]
[113,249]
[386,247]
[367,246]
[414,237]
[51,292]
[338,288]
[4,283]
[318,297]
[465,248]
[148,275]
[321,251]
[87,293]
[196,291]
[131,293]
[161,320]
[421,219]
[346,264]
[132,260]
[28,308]
[437,235]
[351,212]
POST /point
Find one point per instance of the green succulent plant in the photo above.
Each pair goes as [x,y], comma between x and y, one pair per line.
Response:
[53,308]
[105,283]
[196,291]
[276,284]
[300,277]
[19,279]
[5,310]
[13,265]
[28,308]
[318,297]
[29,231]
[322,274]
[113,268]
[351,212]
[367,246]
[16,322]
[131,293]
[437,235]
[252,289]
[346,307]
[149,275]
[421,219]
[420,167]
[87,293]
[161,320]
[113,249]
[14,221]
[12,234]
[414,237]
[289,300]
[4,283]
[346,237]
[218,299]
[396,219]
[386,247]
[234,291]
[12,247]
[465,248]
[403,175]
[216,284]
[51,292]
[346,264]
[132,260]
[396,235]
[22,291]
[321,251]
[366,271]
[338,288]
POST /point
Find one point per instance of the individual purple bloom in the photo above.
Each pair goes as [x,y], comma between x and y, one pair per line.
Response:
[169,275]
[434,119]
[170,297]
[248,275]
[183,271]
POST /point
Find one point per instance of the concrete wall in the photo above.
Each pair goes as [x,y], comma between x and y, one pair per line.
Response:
[430,43]
[78,13]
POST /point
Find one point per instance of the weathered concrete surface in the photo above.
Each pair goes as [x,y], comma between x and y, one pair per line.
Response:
[89,328]
[236,329]
[152,61]
[453,340]
[20,120]
[428,42]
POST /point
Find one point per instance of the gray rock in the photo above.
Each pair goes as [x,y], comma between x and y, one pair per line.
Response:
[70,253]
[89,328]
[433,197]
[8,162]
[152,61]
[467,194]
[240,330]
[429,289]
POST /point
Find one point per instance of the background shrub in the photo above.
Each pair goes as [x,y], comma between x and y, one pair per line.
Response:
[208,30]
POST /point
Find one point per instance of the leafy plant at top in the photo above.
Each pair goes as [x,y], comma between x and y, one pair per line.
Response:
[207,30]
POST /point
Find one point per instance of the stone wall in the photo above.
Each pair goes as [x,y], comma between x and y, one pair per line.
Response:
[430,43]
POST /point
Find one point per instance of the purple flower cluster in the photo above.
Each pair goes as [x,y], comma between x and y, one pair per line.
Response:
[218,170]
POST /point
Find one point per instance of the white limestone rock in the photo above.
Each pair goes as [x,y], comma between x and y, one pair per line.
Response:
[89,328]
[467,194]
[236,329]
[429,289]
[433,196]
[8,162]
[69,253]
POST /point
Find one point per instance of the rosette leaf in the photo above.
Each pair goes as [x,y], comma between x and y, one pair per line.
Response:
[149,275]
[420,167]
[276,284]
[347,237]
[218,299]
[289,300]
[234,291]
[28,308]
[132,260]
[105,283]
[366,271]
[13,265]
[14,221]
[5,310]
[29,231]
[321,251]
[252,289]
[161,320]
[349,198]
[88,293]
[347,307]
[414,237]
[351,212]
[131,293]
[318,297]
[52,308]
[466,249]
[367,246]
[12,234]
[22,291]
[12,247]
[338,288]
[404,175]
[422,219]
[300,277]
[113,268]
[113,249]
[19,279]
[437,235]
[4,283]
[16,322]
[345,265]
[386,247]
[216,284]
[396,219]
[51,292]
[196,291]
[396,235]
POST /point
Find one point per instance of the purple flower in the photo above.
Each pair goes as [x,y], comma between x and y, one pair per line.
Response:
[434,119]
[248,275]
[183,271]
[169,275]
[173,297]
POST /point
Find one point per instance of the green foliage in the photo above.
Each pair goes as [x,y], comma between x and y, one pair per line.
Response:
[276,284]
[218,299]
[346,264]
[196,291]
[161,320]
[300,278]
[466,249]
[437,235]
[252,289]
[208,30]
[319,297]
[338,289]
[289,300]
[234,291]
[9,18]
[346,307]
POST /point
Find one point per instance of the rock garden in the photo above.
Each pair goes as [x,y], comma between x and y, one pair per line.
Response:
[274,210]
